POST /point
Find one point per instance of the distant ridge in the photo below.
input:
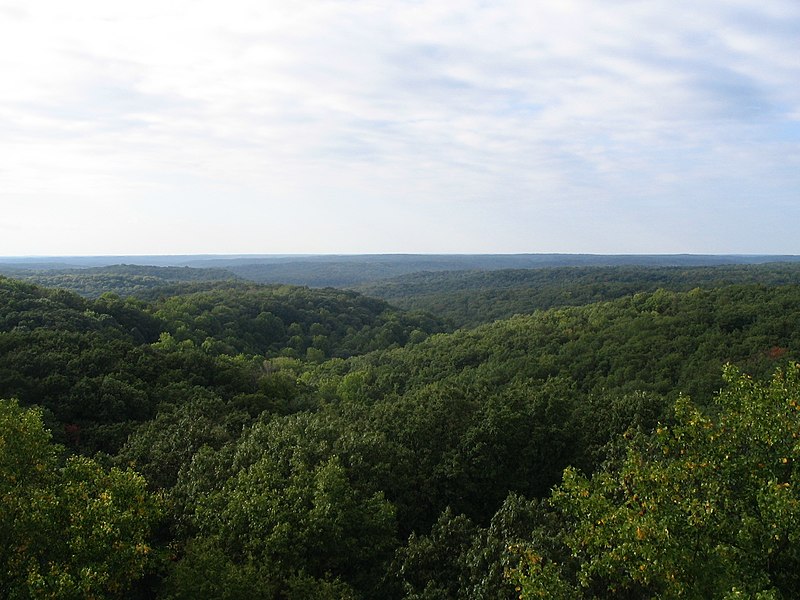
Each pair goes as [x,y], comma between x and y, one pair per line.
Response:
[436,261]
[353,270]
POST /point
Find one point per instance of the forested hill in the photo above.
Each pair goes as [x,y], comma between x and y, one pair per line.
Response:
[105,364]
[469,298]
[287,320]
[557,384]
[354,270]
[123,280]
[668,342]
[463,296]
[456,438]
[281,442]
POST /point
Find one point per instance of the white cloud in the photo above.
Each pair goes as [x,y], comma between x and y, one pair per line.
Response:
[366,120]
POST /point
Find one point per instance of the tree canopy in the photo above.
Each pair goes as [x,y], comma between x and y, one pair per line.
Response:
[707,507]
[71,530]
[232,440]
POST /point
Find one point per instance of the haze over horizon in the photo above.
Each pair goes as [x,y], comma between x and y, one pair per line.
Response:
[335,127]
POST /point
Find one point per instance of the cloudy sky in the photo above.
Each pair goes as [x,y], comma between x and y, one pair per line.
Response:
[347,126]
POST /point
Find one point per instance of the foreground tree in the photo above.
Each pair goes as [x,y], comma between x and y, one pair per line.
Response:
[277,515]
[71,531]
[707,508]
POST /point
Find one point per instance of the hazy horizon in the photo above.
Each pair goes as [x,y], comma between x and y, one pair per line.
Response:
[513,260]
[456,127]
[398,254]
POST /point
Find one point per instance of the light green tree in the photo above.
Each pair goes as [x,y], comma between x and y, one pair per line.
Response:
[71,531]
[706,508]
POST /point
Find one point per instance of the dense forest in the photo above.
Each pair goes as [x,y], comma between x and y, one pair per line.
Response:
[123,280]
[580,432]
[472,297]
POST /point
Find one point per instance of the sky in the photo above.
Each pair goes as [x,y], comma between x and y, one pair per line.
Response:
[347,126]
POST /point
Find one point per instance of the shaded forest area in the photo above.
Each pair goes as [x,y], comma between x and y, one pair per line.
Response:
[182,434]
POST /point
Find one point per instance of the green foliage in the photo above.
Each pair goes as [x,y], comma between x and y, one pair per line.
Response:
[77,531]
[206,571]
[469,298]
[664,342]
[280,500]
[459,559]
[292,321]
[706,508]
[121,280]
[461,420]
[412,470]
[101,367]
[431,567]
[293,518]
[162,446]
